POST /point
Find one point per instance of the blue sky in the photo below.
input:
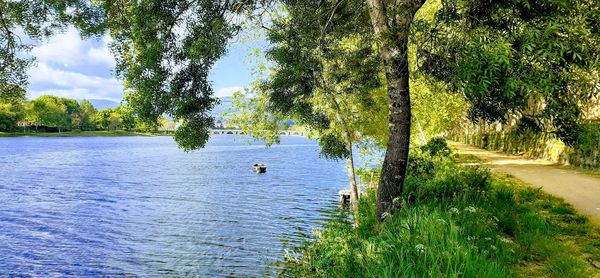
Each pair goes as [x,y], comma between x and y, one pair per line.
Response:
[68,66]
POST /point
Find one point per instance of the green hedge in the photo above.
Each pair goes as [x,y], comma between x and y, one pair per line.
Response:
[585,154]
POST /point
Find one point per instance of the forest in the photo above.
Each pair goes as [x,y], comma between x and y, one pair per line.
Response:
[55,114]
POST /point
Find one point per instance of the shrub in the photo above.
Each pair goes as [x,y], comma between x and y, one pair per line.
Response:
[437,147]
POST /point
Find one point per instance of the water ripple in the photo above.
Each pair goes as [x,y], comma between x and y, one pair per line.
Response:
[139,206]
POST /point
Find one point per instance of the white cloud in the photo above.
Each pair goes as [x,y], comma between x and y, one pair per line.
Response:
[68,49]
[71,67]
[64,49]
[72,84]
[102,55]
[228,92]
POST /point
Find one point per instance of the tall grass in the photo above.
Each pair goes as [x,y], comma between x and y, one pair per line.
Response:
[454,221]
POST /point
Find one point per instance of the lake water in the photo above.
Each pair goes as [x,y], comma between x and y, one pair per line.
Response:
[139,206]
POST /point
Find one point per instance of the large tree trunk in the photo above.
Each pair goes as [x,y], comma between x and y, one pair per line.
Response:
[352,177]
[392,38]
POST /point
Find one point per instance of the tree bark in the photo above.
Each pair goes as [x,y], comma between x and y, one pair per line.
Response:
[392,39]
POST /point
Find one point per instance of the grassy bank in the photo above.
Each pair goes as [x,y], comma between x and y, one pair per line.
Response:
[455,221]
[77,134]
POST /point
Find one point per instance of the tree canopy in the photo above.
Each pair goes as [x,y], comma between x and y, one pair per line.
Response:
[536,59]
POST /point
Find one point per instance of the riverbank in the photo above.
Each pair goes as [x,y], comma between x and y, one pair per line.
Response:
[455,221]
[78,134]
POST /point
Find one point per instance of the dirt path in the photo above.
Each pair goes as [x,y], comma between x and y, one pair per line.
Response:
[579,189]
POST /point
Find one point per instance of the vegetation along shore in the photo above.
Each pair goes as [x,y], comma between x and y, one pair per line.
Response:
[454,221]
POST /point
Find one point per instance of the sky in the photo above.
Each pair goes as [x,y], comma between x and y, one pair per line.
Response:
[68,66]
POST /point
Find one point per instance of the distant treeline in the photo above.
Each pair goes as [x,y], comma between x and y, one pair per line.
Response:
[55,114]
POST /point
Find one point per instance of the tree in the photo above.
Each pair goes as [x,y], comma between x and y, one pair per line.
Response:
[11,107]
[115,121]
[250,112]
[117,118]
[127,117]
[87,115]
[326,76]
[391,24]
[73,111]
[9,116]
[103,120]
[538,60]
[52,112]
[165,50]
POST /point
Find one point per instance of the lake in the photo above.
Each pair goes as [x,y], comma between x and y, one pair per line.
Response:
[139,206]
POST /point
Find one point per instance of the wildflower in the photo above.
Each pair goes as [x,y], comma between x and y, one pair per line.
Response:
[506,240]
[488,238]
[493,247]
[471,238]
[420,248]
[470,209]
[454,210]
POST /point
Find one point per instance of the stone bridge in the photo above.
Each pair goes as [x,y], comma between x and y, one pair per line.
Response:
[240,132]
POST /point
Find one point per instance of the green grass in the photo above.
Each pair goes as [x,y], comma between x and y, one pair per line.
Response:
[76,134]
[465,158]
[454,221]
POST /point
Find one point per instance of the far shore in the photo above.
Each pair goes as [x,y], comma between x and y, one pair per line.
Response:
[80,134]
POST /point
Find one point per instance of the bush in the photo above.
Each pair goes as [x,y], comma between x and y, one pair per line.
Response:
[437,147]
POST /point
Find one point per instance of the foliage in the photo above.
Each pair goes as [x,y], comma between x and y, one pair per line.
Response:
[165,50]
[36,19]
[115,118]
[437,147]
[251,113]
[588,141]
[52,111]
[63,114]
[326,74]
[9,116]
[332,147]
[537,59]
[435,110]
[584,153]
[455,221]
[87,113]
[11,107]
